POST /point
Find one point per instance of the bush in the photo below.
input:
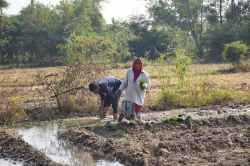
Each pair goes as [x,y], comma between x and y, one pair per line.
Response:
[70,104]
[182,63]
[235,52]
[13,111]
[66,86]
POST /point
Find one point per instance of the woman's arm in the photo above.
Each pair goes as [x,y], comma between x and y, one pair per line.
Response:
[147,79]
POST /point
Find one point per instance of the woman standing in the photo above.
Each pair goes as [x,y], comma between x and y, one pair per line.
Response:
[135,85]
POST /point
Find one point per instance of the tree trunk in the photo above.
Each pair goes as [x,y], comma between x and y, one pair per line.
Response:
[221,21]
[1,20]
[194,34]
[32,4]
[201,30]
[233,9]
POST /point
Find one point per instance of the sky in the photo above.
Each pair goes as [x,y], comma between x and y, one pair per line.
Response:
[118,9]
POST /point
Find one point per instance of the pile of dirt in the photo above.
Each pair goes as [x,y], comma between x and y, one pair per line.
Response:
[210,142]
[16,149]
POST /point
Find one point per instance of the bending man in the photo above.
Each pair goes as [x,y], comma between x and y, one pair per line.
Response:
[107,88]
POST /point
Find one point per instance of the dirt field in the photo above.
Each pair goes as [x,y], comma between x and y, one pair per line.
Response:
[214,136]
[222,142]
[217,135]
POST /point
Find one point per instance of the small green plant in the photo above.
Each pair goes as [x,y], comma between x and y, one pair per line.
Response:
[182,63]
[178,120]
[189,121]
[235,52]
[173,121]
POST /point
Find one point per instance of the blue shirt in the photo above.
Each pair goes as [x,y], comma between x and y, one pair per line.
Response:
[109,85]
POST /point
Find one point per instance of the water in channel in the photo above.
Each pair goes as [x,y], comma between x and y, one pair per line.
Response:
[44,138]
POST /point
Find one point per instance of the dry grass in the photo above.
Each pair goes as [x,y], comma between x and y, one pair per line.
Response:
[23,77]
[19,83]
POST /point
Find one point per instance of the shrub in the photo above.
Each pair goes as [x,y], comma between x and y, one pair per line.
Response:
[235,52]
[182,63]
[70,104]
[64,86]
[13,111]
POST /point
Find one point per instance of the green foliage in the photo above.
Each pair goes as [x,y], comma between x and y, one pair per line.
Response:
[215,39]
[121,35]
[182,63]
[179,14]
[220,96]
[3,4]
[89,48]
[80,17]
[33,36]
[150,43]
[206,22]
[235,52]
[193,98]
[39,35]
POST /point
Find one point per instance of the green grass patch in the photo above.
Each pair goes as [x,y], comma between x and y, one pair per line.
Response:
[198,95]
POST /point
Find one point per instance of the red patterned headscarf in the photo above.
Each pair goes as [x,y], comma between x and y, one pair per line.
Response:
[137,71]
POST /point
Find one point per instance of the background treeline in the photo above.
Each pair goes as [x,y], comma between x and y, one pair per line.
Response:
[209,30]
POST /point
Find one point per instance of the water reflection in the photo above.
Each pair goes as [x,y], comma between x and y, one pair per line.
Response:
[4,162]
[44,138]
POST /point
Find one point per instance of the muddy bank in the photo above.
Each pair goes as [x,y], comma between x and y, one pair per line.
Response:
[50,112]
[15,148]
[218,141]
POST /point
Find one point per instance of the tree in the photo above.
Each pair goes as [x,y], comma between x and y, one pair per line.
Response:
[150,41]
[3,27]
[121,34]
[183,14]
[34,35]
[235,52]
[3,4]
[81,17]
[221,1]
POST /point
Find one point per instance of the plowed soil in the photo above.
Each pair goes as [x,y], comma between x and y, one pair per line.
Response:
[218,141]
